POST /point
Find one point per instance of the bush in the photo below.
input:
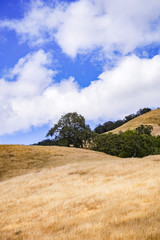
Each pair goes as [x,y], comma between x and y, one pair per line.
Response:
[109,143]
[144,129]
[128,144]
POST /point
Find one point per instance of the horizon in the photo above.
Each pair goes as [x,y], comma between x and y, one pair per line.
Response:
[75,56]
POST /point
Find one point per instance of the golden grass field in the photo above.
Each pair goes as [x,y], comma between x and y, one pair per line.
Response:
[150,118]
[58,193]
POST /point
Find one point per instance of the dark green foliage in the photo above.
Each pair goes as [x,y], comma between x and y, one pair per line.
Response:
[110,125]
[143,110]
[109,143]
[144,129]
[47,142]
[71,130]
[100,129]
[136,145]
[130,117]
[128,144]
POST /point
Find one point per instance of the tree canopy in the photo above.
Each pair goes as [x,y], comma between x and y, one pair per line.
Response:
[144,129]
[71,130]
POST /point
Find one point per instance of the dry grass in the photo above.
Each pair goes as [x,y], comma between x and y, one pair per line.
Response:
[90,196]
[17,160]
[150,118]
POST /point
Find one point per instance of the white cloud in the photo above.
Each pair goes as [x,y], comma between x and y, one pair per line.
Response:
[24,84]
[113,25]
[39,23]
[33,98]
[80,26]
[29,96]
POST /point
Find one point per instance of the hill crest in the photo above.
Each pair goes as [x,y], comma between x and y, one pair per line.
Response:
[150,118]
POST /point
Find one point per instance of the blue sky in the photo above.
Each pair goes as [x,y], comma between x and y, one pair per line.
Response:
[99,58]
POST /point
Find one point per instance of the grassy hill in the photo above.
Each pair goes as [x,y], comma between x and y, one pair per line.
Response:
[150,118]
[66,193]
[17,160]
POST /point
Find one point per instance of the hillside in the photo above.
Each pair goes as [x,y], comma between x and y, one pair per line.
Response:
[66,193]
[150,118]
[17,160]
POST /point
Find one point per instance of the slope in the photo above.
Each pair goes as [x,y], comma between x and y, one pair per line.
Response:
[150,118]
[79,194]
[17,160]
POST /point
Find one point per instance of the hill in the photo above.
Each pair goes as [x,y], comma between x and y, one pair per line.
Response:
[67,193]
[17,160]
[150,118]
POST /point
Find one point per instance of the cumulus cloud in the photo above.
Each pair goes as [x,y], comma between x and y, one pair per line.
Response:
[38,24]
[25,82]
[80,26]
[30,94]
[33,98]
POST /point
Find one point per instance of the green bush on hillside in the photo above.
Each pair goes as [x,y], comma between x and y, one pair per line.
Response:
[144,129]
[131,143]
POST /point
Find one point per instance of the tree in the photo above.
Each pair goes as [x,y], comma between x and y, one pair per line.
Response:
[130,117]
[109,143]
[71,130]
[142,111]
[136,145]
[108,126]
[100,129]
[144,129]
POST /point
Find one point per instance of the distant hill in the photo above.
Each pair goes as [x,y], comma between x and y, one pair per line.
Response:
[150,118]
